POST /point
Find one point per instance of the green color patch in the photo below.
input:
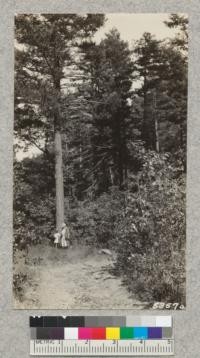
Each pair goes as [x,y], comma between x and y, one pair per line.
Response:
[126,333]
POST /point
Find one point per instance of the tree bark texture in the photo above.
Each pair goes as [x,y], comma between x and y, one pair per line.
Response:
[59,180]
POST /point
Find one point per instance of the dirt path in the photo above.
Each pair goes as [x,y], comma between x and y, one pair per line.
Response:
[72,279]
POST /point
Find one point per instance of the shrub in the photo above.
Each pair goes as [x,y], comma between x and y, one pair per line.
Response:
[34,204]
[94,221]
[151,235]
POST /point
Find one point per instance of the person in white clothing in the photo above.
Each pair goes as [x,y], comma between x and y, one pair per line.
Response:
[57,238]
[65,235]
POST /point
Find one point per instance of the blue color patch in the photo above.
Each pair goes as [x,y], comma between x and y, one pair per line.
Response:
[140,333]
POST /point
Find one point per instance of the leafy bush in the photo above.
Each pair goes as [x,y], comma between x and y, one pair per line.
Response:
[94,221]
[34,207]
[151,235]
[18,284]
[20,273]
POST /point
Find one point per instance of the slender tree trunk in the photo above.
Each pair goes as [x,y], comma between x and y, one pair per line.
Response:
[121,174]
[157,144]
[111,176]
[59,180]
[157,135]
[145,132]
[181,134]
[125,156]
[120,161]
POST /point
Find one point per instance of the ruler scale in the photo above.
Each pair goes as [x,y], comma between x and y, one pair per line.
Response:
[101,336]
[103,348]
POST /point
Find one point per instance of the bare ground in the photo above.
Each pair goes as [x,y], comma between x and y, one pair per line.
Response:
[73,278]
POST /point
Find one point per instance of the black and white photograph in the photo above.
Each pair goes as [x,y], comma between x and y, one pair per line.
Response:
[100,145]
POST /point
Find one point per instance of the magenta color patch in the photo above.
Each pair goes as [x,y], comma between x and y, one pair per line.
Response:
[84,333]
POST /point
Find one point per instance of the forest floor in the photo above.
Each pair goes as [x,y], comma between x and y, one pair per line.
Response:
[74,278]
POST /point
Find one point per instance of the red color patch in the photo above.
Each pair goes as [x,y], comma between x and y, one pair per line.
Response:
[99,333]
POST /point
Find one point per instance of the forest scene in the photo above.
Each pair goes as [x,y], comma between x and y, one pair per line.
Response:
[100,133]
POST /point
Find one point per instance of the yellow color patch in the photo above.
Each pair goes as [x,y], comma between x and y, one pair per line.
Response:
[112,333]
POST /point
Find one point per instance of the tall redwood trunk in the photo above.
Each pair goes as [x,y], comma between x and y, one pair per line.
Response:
[59,180]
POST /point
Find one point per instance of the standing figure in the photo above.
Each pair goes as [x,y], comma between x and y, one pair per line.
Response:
[57,238]
[65,236]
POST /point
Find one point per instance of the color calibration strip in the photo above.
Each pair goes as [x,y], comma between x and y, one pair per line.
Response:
[104,335]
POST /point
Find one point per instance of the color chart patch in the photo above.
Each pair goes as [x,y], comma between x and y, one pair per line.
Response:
[103,335]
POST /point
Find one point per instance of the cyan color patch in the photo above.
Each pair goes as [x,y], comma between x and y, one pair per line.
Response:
[140,333]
